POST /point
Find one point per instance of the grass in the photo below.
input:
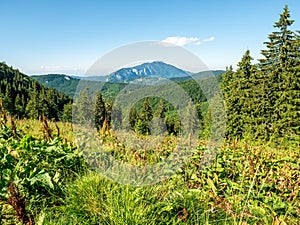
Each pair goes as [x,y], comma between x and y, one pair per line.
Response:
[244,185]
[35,128]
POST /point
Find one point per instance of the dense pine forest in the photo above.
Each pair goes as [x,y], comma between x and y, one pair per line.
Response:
[45,177]
[23,97]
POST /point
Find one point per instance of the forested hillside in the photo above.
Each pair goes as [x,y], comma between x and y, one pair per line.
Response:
[22,96]
[60,82]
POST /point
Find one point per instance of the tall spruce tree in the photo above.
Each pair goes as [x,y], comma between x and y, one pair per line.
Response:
[133,118]
[190,121]
[236,86]
[33,106]
[143,124]
[281,51]
[84,109]
[280,70]
[100,111]
[157,124]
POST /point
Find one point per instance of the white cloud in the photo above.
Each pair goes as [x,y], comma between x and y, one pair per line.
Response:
[209,39]
[182,41]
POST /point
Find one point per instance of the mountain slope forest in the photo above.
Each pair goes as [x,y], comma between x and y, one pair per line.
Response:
[254,178]
[22,96]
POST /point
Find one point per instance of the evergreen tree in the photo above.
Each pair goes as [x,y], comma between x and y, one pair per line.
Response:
[143,124]
[32,108]
[24,97]
[108,114]
[157,124]
[160,109]
[67,113]
[237,91]
[100,111]
[172,122]
[200,118]
[190,121]
[281,51]
[8,101]
[133,118]
[279,69]
[84,109]
[19,106]
[116,117]
[52,105]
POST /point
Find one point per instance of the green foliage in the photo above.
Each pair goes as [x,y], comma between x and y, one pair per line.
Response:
[37,169]
[100,111]
[69,85]
[236,93]
[24,97]
[143,124]
[65,84]
[190,123]
[84,109]
[67,113]
[133,117]
[172,121]
[245,185]
[262,101]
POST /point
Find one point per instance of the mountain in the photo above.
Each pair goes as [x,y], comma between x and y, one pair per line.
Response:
[153,69]
[110,88]
[200,75]
[22,96]
[69,84]
[64,83]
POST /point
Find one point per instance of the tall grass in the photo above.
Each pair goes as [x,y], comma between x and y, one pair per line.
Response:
[244,185]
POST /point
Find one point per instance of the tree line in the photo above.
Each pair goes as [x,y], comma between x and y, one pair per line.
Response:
[263,99]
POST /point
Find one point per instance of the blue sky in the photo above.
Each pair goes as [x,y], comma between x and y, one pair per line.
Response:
[65,36]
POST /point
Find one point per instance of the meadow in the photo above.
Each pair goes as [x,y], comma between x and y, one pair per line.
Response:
[47,181]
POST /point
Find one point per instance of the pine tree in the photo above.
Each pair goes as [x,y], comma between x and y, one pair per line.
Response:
[8,101]
[157,124]
[190,121]
[133,118]
[226,80]
[143,124]
[84,109]
[160,110]
[67,113]
[116,117]
[200,118]
[281,47]
[279,69]
[19,107]
[236,87]
[108,114]
[172,122]
[51,104]
[100,111]
[32,108]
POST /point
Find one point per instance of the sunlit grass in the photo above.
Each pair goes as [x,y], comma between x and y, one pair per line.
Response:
[35,128]
[245,184]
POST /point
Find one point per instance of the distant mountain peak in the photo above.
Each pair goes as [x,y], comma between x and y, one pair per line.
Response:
[148,69]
